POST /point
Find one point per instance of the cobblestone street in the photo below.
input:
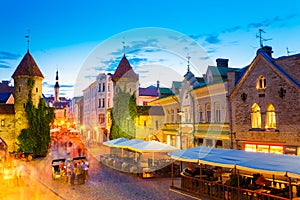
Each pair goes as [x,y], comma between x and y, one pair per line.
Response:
[104,183]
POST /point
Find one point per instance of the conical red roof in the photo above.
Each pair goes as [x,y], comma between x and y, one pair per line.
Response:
[27,67]
[124,70]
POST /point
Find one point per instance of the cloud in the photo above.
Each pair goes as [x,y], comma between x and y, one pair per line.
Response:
[136,61]
[90,77]
[66,86]
[205,58]
[8,56]
[4,65]
[211,50]
[137,46]
[270,21]
[212,39]
[231,29]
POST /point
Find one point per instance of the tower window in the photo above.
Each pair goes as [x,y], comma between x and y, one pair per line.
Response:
[2,122]
[36,89]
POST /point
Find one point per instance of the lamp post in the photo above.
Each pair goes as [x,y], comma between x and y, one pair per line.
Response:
[180,113]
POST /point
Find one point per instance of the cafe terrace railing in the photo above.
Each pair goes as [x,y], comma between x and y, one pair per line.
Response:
[218,191]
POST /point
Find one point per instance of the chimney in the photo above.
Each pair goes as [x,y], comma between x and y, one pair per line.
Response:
[221,62]
[157,84]
[231,81]
[6,82]
[267,50]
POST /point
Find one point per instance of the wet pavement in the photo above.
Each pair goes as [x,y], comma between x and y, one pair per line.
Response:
[104,183]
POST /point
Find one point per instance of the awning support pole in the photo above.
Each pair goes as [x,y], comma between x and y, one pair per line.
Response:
[172,173]
[290,188]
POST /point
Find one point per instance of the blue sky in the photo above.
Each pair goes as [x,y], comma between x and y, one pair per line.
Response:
[83,38]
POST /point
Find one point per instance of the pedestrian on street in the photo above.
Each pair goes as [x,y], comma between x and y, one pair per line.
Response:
[79,173]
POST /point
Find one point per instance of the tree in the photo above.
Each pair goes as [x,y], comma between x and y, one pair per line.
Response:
[122,115]
[36,138]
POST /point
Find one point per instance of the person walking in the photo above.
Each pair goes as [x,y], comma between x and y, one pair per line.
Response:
[79,173]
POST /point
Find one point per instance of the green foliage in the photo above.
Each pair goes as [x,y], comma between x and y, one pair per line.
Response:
[122,115]
[30,83]
[36,138]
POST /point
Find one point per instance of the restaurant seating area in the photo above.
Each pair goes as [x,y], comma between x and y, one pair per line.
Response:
[158,168]
[238,186]
[144,158]
[235,174]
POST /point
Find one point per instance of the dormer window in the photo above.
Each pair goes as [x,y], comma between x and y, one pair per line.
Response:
[261,82]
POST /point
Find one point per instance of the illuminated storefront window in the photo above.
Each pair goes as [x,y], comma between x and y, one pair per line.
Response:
[263,148]
[276,149]
[250,147]
[291,150]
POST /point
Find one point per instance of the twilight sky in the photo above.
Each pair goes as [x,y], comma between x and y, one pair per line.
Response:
[84,38]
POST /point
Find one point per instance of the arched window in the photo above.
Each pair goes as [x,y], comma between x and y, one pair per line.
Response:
[255,116]
[208,112]
[261,82]
[270,117]
[217,112]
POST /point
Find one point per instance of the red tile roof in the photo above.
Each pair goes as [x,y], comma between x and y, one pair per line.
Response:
[27,67]
[124,70]
[7,109]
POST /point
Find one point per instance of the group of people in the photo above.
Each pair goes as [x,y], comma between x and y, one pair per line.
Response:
[74,169]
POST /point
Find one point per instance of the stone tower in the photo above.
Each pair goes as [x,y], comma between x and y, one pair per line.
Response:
[56,88]
[25,70]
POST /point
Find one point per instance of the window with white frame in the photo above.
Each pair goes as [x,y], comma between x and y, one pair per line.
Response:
[217,112]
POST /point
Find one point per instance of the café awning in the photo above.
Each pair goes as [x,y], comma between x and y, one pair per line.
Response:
[112,143]
[152,146]
[277,164]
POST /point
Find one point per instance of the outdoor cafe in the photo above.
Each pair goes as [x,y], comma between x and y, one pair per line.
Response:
[234,174]
[145,158]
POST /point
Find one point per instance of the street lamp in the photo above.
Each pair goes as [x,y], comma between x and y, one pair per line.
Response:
[180,113]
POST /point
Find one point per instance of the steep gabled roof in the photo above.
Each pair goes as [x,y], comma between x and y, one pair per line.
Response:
[124,70]
[27,67]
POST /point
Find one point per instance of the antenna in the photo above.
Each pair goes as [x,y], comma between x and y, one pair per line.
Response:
[261,39]
[288,51]
[188,62]
[28,40]
[123,47]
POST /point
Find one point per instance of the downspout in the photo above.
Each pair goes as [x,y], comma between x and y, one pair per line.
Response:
[230,123]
